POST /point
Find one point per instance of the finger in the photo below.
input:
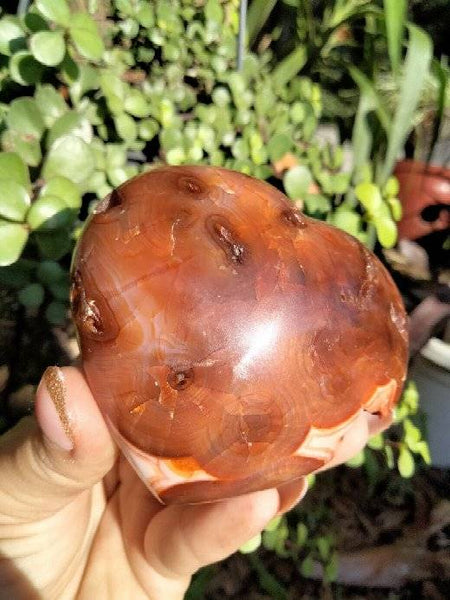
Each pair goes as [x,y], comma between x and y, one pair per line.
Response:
[182,539]
[47,460]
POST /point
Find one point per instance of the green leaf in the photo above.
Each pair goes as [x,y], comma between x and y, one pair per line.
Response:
[56,313]
[32,295]
[54,244]
[347,220]
[395,18]
[50,103]
[307,566]
[370,197]
[48,213]
[70,157]
[356,461]
[12,36]
[49,272]
[135,104]
[251,545]
[13,237]
[301,534]
[55,10]
[391,188]
[14,200]
[385,227]
[323,546]
[257,15]
[376,442]
[147,129]
[396,208]
[63,188]
[273,523]
[25,69]
[13,167]
[405,463]
[288,68]
[126,127]
[415,72]
[279,145]
[24,117]
[48,47]
[28,148]
[72,123]
[84,33]
[296,181]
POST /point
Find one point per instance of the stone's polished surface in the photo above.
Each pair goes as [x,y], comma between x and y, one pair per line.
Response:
[231,342]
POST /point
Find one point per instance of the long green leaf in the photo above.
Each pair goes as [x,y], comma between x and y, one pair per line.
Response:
[395,18]
[441,74]
[257,15]
[289,66]
[362,138]
[368,89]
[416,70]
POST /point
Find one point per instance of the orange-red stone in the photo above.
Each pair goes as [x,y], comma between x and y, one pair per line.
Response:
[228,335]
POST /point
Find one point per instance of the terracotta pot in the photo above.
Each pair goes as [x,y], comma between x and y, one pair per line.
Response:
[423,187]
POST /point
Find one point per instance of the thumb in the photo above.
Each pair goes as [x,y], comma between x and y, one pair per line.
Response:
[49,459]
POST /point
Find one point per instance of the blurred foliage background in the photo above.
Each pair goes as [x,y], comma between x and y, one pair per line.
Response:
[329,95]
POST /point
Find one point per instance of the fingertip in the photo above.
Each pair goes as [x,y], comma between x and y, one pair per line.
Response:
[69,416]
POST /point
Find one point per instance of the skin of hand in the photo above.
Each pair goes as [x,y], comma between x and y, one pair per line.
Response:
[77,522]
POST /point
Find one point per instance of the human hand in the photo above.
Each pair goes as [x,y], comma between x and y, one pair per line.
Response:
[77,522]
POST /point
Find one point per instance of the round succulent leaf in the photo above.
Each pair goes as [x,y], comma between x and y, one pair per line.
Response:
[385,227]
[396,208]
[56,312]
[278,146]
[391,187]
[175,156]
[251,545]
[57,11]
[70,157]
[63,188]
[147,129]
[34,22]
[126,127]
[48,47]
[53,245]
[28,149]
[60,290]
[85,35]
[347,220]
[48,213]
[17,275]
[88,79]
[13,167]
[317,204]
[135,104]
[50,104]
[116,155]
[13,237]
[297,180]
[25,117]
[370,197]
[72,123]
[405,462]
[32,295]
[49,271]
[14,200]
[119,175]
[25,69]
[12,36]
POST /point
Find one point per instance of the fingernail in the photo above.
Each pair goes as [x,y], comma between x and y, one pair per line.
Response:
[54,419]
